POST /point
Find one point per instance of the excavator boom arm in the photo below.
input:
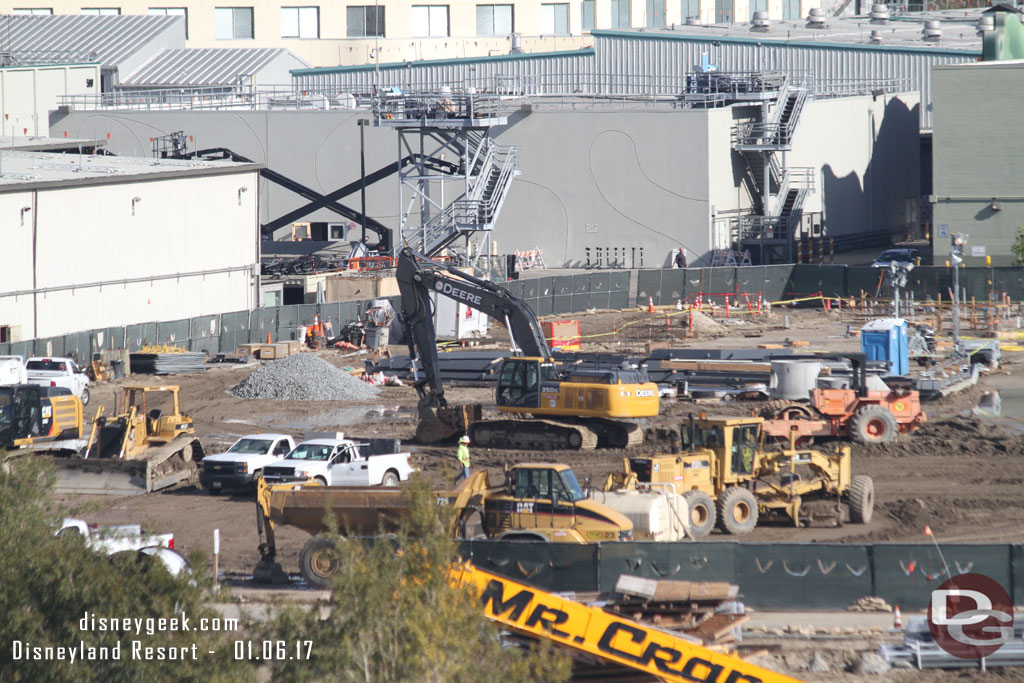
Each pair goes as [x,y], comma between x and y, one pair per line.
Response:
[418,276]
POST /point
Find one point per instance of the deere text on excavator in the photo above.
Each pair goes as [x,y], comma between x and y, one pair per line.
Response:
[570,407]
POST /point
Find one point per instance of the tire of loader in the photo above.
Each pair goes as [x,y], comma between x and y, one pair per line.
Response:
[737,511]
[318,561]
[873,424]
[702,513]
[862,499]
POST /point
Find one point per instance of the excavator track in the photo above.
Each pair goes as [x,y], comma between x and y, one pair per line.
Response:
[542,435]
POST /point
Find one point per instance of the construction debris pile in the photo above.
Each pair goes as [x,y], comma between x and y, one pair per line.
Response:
[706,610]
[303,377]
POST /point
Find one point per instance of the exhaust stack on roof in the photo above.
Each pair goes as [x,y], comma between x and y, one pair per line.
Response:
[932,31]
[816,18]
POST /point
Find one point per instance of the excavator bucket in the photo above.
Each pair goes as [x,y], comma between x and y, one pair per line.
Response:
[442,423]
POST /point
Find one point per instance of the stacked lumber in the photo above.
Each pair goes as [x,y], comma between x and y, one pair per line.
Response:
[706,611]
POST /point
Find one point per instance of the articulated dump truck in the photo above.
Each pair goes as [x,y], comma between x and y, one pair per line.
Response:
[139,449]
[518,509]
[536,502]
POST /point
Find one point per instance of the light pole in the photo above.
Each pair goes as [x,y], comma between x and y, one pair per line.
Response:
[956,257]
[362,175]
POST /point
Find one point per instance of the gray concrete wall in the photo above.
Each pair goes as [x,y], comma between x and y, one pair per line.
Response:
[621,181]
[977,155]
[866,150]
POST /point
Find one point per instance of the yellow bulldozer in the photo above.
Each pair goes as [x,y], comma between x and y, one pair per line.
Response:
[140,448]
[729,478]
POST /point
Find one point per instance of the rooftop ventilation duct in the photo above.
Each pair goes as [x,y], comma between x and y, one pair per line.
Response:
[759,22]
[985,24]
[932,31]
[876,38]
[879,14]
[691,21]
[517,45]
[816,19]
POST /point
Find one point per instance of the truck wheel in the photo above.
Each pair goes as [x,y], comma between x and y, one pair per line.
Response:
[320,480]
[318,561]
[862,499]
[390,478]
[873,424]
[702,513]
[85,397]
[737,511]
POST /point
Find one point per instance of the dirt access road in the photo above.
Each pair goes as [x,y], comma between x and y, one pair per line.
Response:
[960,476]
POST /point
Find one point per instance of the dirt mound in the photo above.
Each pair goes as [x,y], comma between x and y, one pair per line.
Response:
[957,437]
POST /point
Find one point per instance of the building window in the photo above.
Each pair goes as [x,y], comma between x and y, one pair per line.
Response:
[691,8]
[791,9]
[171,12]
[655,14]
[554,19]
[33,10]
[233,23]
[494,20]
[587,14]
[300,22]
[102,11]
[429,21]
[620,13]
[364,21]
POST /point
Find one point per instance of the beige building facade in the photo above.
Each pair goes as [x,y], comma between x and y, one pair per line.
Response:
[358,31]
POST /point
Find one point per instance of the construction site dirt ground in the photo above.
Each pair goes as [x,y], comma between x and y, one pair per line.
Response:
[960,474]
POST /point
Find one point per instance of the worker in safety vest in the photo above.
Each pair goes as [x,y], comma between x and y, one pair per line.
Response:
[463,455]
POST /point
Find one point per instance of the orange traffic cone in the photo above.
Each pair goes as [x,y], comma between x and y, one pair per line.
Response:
[650,304]
[897,618]
[268,338]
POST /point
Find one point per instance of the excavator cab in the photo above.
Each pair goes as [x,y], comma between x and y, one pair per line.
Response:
[521,380]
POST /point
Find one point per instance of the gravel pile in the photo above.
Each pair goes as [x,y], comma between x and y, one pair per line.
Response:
[303,377]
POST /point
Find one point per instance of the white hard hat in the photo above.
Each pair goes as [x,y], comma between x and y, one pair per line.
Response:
[464,439]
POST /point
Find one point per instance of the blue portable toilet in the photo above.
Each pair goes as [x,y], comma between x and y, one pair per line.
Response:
[886,339]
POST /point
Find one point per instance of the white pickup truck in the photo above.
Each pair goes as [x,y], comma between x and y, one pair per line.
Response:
[126,539]
[58,372]
[114,539]
[342,462]
[243,462]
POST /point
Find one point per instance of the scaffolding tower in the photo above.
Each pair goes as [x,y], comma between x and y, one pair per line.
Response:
[447,135]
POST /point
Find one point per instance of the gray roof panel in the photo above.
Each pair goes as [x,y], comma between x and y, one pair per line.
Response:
[199,67]
[111,39]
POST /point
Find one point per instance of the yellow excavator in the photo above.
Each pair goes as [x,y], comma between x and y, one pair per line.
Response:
[552,404]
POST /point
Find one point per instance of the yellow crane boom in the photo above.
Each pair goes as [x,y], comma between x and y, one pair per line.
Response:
[609,637]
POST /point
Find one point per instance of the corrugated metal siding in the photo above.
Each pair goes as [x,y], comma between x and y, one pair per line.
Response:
[213,66]
[114,39]
[550,72]
[16,273]
[180,226]
[619,58]
[90,308]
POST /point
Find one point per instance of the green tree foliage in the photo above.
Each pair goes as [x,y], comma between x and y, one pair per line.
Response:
[393,616]
[50,584]
[1018,246]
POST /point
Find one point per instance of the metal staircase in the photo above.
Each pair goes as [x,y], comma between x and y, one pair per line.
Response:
[435,126]
[475,211]
[777,193]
